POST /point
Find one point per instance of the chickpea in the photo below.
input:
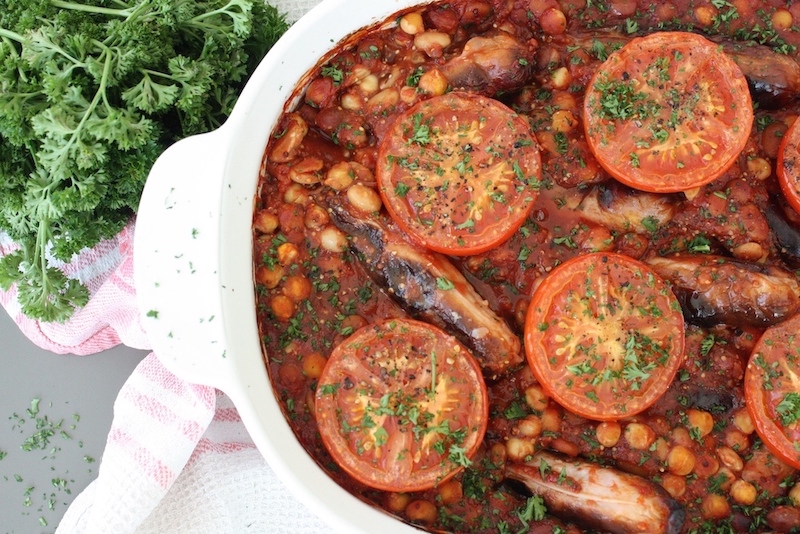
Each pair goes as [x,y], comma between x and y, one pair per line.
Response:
[340,176]
[553,21]
[742,421]
[287,254]
[529,427]
[564,101]
[316,217]
[700,421]
[519,450]
[421,512]
[297,288]
[551,419]
[269,277]
[412,23]
[608,433]
[660,448]
[282,307]
[794,494]
[705,15]
[563,121]
[451,491]
[706,466]
[771,138]
[782,19]
[408,94]
[397,502]
[432,43]
[333,240]
[560,78]
[536,398]
[681,436]
[433,82]
[498,454]
[639,436]
[353,322]
[674,484]
[265,222]
[364,198]
[680,460]
[313,364]
[715,507]
[743,492]
[730,459]
[296,194]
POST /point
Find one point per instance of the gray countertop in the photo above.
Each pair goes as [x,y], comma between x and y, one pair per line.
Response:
[40,476]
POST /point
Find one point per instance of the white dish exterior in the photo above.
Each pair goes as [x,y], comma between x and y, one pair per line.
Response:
[193,260]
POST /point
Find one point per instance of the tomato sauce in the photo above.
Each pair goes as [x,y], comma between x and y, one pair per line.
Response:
[724,248]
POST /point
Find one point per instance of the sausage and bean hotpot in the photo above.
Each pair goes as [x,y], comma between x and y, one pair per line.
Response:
[532,265]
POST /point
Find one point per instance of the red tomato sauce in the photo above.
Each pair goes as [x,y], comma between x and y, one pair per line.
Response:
[725,249]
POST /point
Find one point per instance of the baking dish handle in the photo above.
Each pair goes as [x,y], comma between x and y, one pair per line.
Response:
[176,259]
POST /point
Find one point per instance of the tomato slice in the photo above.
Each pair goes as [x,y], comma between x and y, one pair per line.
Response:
[667,112]
[459,172]
[604,335]
[401,405]
[772,390]
[789,165]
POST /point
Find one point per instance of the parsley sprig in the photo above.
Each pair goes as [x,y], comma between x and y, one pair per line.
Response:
[91,94]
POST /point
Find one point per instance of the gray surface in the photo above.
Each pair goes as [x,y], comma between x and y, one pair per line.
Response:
[79,392]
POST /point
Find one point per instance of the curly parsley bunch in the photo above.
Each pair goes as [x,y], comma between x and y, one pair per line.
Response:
[90,95]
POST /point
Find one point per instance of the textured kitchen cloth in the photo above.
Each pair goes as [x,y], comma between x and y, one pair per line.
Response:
[178,458]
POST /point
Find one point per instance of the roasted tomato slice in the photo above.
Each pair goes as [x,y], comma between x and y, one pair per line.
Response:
[401,405]
[459,172]
[667,112]
[789,165]
[604,335]
[772,390]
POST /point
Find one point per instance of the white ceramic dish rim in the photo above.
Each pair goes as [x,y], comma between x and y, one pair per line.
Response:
[193,258]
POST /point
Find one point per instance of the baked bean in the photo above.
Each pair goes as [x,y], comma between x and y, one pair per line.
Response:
[622,8]
[742,421]
[784,519]
[759,168]
[705,465]
[352,101]
[306,171]
[771,138]
[421,512]
[290,139]
[498,454]
[680,460]
[364,198]
[351,323]
[660,449]
[333,239]
[639,436]
[681,436]
[749,251]
[724,478]
[608,433]
[369,84]
[432,43]
[730,458]
[565,447]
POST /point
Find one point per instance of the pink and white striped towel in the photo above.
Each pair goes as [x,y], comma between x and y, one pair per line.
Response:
[178,458]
